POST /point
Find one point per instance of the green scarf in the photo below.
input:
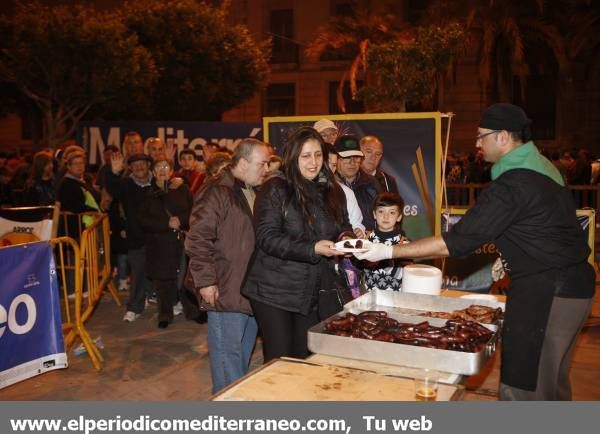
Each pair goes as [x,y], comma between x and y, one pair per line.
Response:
[527,156]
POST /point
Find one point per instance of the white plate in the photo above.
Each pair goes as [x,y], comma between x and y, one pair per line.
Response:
[339,246]
[488,297]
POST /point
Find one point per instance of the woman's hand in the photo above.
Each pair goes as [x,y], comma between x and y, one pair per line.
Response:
[359,233]
[326,248]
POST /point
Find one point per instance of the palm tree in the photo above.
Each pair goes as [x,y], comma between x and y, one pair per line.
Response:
[369,22]
[511,36]
[503,30]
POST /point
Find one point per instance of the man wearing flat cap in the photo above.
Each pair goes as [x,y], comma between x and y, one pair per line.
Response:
[530,216]
[130,191]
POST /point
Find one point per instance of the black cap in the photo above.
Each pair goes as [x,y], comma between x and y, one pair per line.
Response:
[503,116]
[139,157]
[348,146]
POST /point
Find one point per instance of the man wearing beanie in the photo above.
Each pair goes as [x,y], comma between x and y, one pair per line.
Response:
[530,216]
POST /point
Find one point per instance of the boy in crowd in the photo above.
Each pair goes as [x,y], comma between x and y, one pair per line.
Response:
[387,211]
[189,172]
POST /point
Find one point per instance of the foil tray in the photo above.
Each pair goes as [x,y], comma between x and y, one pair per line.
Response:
[404,307]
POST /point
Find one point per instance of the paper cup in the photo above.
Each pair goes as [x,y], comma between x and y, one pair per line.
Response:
[422,279]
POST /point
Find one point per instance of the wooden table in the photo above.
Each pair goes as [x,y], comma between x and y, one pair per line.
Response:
[297,380]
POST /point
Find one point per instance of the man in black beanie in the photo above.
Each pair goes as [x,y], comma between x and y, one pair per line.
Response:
[530,216]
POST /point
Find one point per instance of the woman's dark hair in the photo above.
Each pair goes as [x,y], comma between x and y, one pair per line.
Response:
[40,161]
[333,199]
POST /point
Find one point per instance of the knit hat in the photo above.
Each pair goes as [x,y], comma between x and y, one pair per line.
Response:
[504,116]
[323,125]
[348,146]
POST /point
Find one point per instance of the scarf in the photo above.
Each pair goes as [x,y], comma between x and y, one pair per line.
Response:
[527,156]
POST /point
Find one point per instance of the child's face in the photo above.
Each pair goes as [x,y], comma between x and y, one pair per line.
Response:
[187,161]
[387,217]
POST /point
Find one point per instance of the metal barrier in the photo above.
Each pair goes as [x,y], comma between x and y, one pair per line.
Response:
[86,267]
[67,257]
[96,277]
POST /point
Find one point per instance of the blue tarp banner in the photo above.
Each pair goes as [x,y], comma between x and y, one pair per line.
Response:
[31,339]
[95,136]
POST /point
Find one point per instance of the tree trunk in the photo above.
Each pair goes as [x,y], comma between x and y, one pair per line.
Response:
[53,127]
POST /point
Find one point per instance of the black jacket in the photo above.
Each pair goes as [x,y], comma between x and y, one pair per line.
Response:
[388,182]
[39,193]
[365,188]
[71,195]
[131,196]
[532,221]
[285,271]
[164,245]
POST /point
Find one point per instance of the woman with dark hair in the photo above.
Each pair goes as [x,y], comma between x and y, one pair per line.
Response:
[164,215]
[39,188]
[296,216]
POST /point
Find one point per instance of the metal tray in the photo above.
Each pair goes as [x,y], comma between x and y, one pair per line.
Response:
[404,307]
[410,303]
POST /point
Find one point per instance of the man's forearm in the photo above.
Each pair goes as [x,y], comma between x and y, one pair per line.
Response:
[431,247]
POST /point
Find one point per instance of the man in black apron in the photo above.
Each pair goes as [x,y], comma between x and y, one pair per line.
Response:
[529,214]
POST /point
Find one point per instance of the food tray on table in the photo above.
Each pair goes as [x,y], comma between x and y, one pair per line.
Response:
[405,308]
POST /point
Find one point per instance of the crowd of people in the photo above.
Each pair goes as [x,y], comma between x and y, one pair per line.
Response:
[247,238]
[578,166]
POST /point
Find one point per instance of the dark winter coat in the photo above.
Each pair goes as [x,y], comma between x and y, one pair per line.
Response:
[39,193]
[164,245]
[388,182]
[130,195]
[71,195]
[286,272]
[221,241]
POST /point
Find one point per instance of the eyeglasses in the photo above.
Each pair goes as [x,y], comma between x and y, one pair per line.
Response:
[482,135]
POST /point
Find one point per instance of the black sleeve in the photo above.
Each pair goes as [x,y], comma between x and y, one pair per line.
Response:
[152,215]
[495,210]
[184,219]
[116,186]
[269,216]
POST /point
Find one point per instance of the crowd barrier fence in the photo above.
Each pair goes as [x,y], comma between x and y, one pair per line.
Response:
[93,276]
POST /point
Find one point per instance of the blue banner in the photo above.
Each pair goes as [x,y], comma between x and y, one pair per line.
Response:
[412,152]
[95,136]
[31,339]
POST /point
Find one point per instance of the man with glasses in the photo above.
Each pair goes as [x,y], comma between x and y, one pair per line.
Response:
[530,216]
[365,187]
